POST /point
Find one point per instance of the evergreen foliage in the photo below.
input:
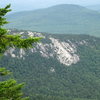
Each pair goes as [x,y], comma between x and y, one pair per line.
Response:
[10,89]
[79,81]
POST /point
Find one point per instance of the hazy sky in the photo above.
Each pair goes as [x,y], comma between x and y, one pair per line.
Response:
[20,5]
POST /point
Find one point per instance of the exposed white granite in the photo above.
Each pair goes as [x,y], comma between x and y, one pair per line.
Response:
[64,52]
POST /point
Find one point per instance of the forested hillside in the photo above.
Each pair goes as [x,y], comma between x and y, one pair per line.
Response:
[51,74]
[62,19]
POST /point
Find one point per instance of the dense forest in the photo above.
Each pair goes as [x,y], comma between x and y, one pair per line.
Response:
[60,66]
[80,81]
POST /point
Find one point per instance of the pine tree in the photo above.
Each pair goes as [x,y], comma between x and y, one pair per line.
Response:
[10,89]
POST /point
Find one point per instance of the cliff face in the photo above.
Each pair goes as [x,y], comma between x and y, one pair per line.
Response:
[59,65]
[64,51]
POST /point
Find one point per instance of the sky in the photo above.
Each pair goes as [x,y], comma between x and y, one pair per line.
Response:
[22,5]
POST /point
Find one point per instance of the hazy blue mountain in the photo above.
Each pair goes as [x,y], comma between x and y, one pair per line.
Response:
[60,67]
[94,7]
[63,19]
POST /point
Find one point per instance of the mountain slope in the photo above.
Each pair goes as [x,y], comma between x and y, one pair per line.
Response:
[94,7]
[61,67]
[63,19]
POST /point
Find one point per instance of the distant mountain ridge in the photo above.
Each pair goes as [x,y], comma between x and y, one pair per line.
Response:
[63,19]
[94,7]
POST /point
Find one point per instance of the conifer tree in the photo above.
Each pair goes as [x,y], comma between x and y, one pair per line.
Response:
[10,89]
